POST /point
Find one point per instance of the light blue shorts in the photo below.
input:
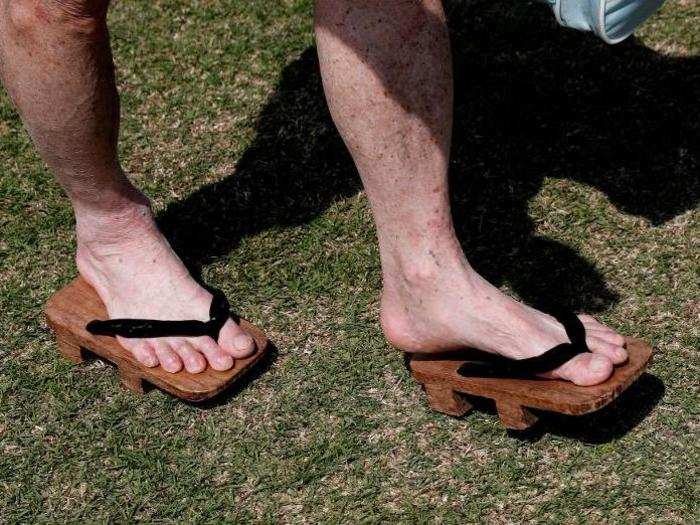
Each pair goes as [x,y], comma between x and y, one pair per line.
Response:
[611,20]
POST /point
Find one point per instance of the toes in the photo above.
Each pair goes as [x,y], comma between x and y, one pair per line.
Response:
[610,336]
[169,360]
[144,353]
[173,354]
[609,344]
[586,369]
[604,340]
[193,360]
[217,358]
[236,341]
[591,322]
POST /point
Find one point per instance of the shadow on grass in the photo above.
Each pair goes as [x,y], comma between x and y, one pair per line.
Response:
[608,424]
[532,101]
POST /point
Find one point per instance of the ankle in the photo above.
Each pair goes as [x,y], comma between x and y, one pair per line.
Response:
[124,219]
[423,268]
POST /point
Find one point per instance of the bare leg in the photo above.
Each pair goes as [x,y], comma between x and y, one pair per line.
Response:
[56,64]
[386,70]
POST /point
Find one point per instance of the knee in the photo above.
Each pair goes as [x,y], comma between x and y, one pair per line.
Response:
[85,17]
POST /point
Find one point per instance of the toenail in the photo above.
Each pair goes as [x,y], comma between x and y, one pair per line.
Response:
[243,342]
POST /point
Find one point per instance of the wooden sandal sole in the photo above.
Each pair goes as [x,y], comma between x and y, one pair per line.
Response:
[514,398]
[70,309]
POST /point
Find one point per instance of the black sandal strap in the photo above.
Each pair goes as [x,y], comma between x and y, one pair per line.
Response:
[499,366]
[219,313]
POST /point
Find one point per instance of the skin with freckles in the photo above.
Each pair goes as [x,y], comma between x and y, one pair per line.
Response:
[386,69]
[56,64]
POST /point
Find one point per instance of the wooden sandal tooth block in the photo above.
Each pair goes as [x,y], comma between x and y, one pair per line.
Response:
[514,398]
[69,311]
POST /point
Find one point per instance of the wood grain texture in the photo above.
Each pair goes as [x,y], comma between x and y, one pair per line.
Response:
[513,415]
[70,309]
[444,399]
[439,375]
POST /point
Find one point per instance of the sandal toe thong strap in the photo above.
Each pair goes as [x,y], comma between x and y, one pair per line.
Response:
[549,360]
[219,312]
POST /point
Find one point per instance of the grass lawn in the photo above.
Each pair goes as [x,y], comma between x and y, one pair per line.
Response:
[575,179]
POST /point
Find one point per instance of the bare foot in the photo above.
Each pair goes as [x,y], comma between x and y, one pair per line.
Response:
[137,275]
[439,305]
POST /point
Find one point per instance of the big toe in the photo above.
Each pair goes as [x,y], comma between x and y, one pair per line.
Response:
[586,369]
[236,341]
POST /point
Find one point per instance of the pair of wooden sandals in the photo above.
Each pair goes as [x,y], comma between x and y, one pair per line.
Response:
[72,314]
